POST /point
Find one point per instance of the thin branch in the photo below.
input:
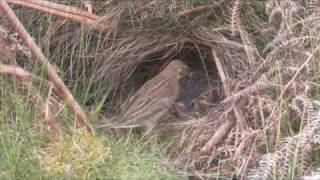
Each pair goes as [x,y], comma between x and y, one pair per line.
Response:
[16,71]
[43,107]
[218,136]
[64,11]
[56,6]
[221,72]
[41,59]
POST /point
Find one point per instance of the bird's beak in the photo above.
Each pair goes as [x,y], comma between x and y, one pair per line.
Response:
[183,71]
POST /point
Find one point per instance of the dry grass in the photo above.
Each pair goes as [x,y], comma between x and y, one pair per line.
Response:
[266,73]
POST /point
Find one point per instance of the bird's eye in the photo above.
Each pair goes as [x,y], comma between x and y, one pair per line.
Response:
[182,71]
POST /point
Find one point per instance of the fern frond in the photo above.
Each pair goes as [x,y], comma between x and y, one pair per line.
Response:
[313,119]
[313,5]
[261,83]
[299,105]
[304,158]
[286,156]
[235,16]
[266,168]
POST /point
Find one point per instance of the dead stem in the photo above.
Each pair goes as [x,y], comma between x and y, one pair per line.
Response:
[64,11]
[41,59]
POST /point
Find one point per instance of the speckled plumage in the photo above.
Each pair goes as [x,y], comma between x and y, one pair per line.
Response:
[153,101]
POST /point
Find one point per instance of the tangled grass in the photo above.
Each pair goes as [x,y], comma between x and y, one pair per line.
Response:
[30,151]
[74,155]
[264,123]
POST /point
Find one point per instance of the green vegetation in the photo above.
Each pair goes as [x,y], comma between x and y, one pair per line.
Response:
[261,122]
[29,151]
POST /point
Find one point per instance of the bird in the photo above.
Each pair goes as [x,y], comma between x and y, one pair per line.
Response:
[197,95]
[151,104]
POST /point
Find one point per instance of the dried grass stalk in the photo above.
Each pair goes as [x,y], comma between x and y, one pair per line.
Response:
[41,59]
[218,136]
[37,99]
[64,11]
[16,71]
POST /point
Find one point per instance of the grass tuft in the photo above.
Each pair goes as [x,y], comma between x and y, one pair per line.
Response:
[74,155]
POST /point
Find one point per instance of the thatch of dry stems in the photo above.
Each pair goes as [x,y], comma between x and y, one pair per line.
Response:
[265,61]
[251,78]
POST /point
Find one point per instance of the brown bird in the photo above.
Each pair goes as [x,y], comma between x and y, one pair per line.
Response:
[151,104]
[197,95]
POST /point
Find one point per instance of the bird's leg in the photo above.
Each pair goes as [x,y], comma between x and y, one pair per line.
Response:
[207,97]
[201,104]
[179,108]
[196,107]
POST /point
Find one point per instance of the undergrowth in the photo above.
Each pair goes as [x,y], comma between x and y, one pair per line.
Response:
[29,151]
[269,51]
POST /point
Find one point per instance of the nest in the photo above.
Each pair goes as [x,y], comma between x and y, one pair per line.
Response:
[237,64]
[211,80]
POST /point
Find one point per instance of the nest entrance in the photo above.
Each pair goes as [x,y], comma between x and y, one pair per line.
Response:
[180,96]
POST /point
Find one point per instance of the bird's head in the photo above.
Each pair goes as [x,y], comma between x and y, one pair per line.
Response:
[178,66]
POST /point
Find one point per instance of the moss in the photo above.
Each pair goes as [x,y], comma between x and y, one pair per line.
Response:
[74,155]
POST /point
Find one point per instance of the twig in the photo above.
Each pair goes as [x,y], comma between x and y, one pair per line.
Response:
[217,137]
[45,110]
[64,11]
[221,72]
[16,71]
[56,6]
[41,59]
[42,108]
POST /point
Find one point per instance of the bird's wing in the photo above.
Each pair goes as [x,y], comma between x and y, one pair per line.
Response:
[150,111]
